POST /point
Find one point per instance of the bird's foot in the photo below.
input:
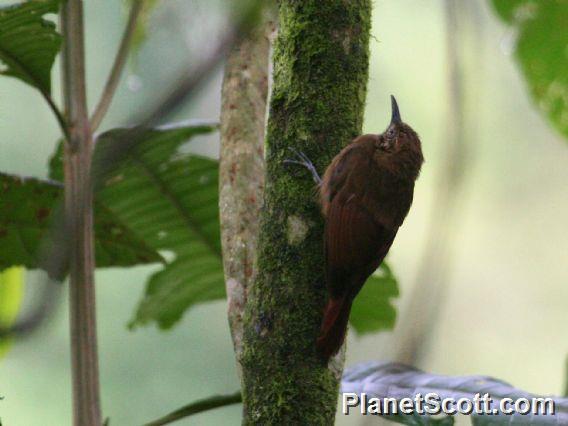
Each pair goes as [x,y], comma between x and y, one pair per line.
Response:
[302,160]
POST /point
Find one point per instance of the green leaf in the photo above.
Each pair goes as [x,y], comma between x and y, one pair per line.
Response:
[27,208]
[11,293]
[117,245]
[170,199]
[372,309]
[506,9]
[56,163]
[540,50]
[394,380]
[29,43]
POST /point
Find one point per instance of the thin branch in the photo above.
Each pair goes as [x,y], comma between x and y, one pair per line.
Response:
[198,407]
[118,65]
[187,83]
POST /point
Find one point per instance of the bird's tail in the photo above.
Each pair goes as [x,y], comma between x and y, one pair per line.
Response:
[333,327]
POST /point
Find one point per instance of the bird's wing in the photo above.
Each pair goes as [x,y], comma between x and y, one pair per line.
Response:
[339,172]
[355,245]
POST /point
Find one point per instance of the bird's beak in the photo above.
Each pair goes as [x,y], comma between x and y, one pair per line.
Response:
[395,117]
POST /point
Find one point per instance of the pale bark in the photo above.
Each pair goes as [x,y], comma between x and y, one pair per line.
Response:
[241,168]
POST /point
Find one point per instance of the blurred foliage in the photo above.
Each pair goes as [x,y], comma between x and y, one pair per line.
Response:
[372,309]
[11,293]
[27,210]
[540,50]
[170,199]
[29,43]
[26,206]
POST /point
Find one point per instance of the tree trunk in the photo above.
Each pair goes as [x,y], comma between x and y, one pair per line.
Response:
[241,166]
[317,103]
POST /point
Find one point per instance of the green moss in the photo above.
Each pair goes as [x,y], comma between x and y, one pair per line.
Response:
[320,77]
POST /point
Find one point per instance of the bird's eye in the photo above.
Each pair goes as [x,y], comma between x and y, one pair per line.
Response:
[391,133]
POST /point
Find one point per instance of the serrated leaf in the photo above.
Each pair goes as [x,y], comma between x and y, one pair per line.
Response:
[27,207]
[372,309]
[11,294]
[540,50]
[170,199]
[28,42]
[393,380]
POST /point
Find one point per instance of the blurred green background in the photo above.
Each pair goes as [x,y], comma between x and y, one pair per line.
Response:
[506,308]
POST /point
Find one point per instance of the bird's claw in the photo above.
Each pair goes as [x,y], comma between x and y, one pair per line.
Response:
[305,162]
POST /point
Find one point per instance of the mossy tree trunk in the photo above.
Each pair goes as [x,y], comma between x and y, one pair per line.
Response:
[317,103]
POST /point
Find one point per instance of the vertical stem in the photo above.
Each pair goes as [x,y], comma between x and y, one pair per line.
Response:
[79,216]
[316,106]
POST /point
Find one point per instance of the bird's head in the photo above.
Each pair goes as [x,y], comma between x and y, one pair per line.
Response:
[398,136]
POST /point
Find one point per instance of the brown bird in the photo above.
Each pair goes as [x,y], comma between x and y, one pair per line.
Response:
[365,194]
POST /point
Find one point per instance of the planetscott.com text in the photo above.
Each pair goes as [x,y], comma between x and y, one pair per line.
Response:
[433,404]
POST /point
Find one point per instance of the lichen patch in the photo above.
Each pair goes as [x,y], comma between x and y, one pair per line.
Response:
[297,229]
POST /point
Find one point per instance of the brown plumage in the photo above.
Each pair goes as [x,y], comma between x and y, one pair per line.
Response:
[365,195]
